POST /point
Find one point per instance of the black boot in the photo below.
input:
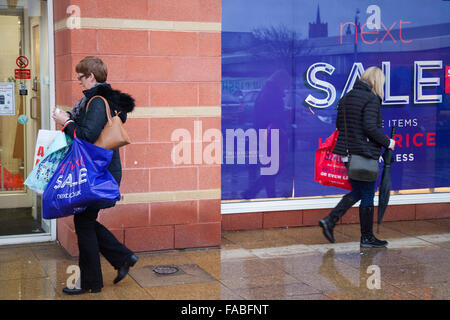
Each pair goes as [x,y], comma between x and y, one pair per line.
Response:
[123,270]
[329,222]
[76,291]
[368,240]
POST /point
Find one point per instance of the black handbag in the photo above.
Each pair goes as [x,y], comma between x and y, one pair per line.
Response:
[362,168]
[359,167]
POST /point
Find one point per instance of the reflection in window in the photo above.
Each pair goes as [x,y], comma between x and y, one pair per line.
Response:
[267,49]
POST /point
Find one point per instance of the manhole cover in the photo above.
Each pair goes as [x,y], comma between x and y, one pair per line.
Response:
[151,276]
[165,270]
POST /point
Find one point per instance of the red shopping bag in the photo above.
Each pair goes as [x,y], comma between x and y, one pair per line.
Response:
[329,168]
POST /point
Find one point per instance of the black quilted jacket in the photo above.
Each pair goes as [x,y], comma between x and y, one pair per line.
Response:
[363,115]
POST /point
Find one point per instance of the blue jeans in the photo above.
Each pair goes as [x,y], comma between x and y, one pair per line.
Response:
[364,191]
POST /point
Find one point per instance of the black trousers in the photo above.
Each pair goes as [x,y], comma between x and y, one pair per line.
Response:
[94,238]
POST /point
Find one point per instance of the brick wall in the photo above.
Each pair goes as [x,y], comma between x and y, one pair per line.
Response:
[311,217]
[166,54]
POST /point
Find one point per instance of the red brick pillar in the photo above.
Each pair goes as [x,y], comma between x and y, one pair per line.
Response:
[166,54]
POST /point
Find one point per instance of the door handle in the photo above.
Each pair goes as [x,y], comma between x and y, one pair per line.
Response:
[33,108]
[35,84]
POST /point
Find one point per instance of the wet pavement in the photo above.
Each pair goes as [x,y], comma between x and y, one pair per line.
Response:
[271,264]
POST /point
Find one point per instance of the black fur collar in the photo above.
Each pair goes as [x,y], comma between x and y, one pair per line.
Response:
[120,100]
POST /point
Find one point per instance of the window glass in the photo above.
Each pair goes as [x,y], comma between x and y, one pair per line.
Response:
[285,65]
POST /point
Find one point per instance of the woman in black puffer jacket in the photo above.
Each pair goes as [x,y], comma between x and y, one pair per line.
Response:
[94,238]
[363,114]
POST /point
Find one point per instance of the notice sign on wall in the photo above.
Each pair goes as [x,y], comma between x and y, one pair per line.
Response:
[7,99]
[22,62]
[22,73]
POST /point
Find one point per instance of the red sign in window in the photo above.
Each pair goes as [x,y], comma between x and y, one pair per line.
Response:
[22,73]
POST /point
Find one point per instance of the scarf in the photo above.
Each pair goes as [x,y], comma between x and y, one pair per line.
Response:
[81,104]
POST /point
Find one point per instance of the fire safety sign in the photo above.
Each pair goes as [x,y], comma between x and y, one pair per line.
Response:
[22,73]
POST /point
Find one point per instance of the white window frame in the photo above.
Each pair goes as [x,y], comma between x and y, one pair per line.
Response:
[51,71]
[32,238]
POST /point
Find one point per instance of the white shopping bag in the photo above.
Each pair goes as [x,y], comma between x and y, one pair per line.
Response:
[43,170]
[44,140]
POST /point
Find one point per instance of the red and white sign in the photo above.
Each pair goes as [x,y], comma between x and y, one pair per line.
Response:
[43,142]
[22,73]
[22,62]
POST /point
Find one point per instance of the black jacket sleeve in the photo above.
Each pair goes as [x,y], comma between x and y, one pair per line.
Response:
[370,123]
[92,124]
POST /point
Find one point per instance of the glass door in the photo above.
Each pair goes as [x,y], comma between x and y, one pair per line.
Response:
[24,94]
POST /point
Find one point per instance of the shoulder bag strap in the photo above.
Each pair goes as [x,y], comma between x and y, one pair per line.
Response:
[345,124]
[107,109]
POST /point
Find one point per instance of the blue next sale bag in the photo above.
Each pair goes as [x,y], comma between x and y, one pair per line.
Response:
[81,180]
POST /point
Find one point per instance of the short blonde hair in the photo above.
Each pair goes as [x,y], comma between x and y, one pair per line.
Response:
[375,77]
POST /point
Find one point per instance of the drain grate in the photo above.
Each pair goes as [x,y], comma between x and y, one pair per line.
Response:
[160,275]
[165,270]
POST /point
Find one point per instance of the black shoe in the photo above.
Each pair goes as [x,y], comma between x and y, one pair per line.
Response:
[123,270]
[327,225]
[371,241]
[329,222]
[76,291]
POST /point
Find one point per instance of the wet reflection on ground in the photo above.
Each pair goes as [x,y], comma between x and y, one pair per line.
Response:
[293,263]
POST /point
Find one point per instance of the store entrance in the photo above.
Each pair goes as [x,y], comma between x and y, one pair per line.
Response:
[24,109]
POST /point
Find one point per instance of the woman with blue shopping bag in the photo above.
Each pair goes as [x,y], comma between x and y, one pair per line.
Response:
[87,124]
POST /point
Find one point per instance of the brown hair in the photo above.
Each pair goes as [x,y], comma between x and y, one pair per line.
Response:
[375,77]
[93,65]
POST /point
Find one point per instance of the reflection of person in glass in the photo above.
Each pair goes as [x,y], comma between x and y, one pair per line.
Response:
[269,114]
[363,114]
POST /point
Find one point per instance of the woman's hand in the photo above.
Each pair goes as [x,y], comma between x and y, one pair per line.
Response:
[60,116]
[392,144]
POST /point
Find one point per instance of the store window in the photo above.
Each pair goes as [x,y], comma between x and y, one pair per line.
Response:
[24,109]
[286,63]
